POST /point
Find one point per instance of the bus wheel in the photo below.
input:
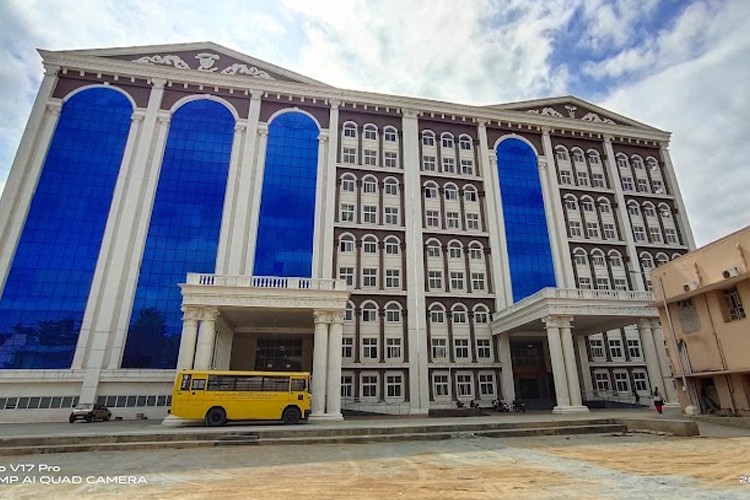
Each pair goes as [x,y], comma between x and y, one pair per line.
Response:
[291,415]
[216,417]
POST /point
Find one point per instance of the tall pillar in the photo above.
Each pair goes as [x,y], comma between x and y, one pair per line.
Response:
[189,335]
[558,364]
[329,181]
[508,385]
[228,234]
[320,358]
[670,393]
[571,369]
[583,356]
[333,392]
[649,352]
[257,188]
[204,352]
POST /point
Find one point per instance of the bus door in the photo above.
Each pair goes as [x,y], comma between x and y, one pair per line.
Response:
[194,398]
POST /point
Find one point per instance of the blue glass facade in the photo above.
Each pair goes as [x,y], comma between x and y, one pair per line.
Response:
[45,295]
[287,208]
[184,233]
[529,253]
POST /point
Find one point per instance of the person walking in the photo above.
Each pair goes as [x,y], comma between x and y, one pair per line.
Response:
[658,400]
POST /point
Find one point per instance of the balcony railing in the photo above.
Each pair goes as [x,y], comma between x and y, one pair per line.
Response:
[574,293]
[265,282]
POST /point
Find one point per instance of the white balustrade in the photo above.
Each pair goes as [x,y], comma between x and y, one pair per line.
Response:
[264,282]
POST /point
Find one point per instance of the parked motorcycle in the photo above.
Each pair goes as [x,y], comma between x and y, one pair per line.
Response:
[500,406]
[519,406]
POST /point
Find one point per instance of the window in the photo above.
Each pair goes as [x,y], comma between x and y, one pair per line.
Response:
[734,308]
[470,195]
[627,183]
[392,278]
[369,277]
[655,234]
[637,163]
[621,284]
[437,316]
[459,316]
[371,132]
[440,384]
[609,231]
[429,163]
[349,155]
[583,178]
[481,317]
[602,381]
[577,156]
[350,130]
[486,384]
[639,233]
[430,192]
[649,211]
[347,344]
[634,348]
[393,314]
[477,281]
[597,180]
[449,165]
[347,274]
[671,236]
[369,186]
[561,154]
[472,222]
[597,348]
[433,249]
[428,138]
[391,188]
[587,205]
[369,386]
[394,348]
[435,280]
[570,204]
[393,386]
[575,229]
[346,386]
[605,208]
[593,158]
[370,214]
[465,143]
[451,193]
[467,167]
[451,220]
[658,186]
[642,185]
[633,209]
[370,156]
[349,312]
[475,253]
[439,349]
[457,280]
[566,177]
[370,245]
[370,348]
[584,283]
[602,283]
[463,385]
[433,218]
[592,230]
[615,348]
[454,251]
[347,212]
[461,348]
[598,259]
[483,349]
[621,382]
[639,380]
[580,258]
[391,215]
[348,185]
[446,140]
[346,245]
[369,314]
[390,134]
[391,159]
[622,162]
[392,247]
[615,260]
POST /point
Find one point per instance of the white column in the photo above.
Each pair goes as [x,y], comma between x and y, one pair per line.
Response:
[188,338]
[571,369]
[555,216]
[204,351]
[26,168]
[684,225]
[667,374]
[622,213]
[417,334]
[320,362]
[321,204]
[508,385]
[558,365]
[649,353]
[333,392]
[228,233]
[495,222]
[583,355]
[331,178]
[257,187]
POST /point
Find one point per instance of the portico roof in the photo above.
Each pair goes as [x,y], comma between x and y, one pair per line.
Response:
[593,311]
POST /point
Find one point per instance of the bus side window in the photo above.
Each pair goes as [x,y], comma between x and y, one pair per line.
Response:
[185,383]
[199,384]
[298,384]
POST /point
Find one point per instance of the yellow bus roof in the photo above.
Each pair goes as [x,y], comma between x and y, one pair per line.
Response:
[238,372]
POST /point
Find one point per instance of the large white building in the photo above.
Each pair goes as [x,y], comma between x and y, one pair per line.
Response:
[190,206]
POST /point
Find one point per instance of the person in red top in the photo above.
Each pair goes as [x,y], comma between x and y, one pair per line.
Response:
[658,400]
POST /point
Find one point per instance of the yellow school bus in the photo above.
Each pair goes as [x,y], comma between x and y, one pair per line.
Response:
[217,397]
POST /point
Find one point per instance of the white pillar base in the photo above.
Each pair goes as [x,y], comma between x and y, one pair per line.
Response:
[172,421]
[570,409]
[326,417]
[419,411]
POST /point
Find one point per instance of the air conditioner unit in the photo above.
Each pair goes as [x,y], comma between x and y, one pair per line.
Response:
[691,285]
[731,272]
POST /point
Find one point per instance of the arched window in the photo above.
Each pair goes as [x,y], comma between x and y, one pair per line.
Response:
[369,312]
[476,251]
[561,153]
[665,211]
[346,243]
[597,258]
[577,154]
[648,209]
[392,246]
[580,257]
[604,206]
[637,162]
[587,204]
[570,202]
[481,314]
[390,134]
[369,184]
[370,132]
[390,187]
[446,140]
[470,193]
[393,312]
[349,313]
[652,163]
[428,138]
[622,160]
[451,192]
[434,249]
[455,250]
[594,157]
[430,190]
[615,258]
[370,245]
[633,208]
[350,130]
[661,258]
[647,261]
[437,314]
[465,143]
[348,183]
[459,314]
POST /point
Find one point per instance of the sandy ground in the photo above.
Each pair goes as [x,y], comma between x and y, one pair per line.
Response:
[581,467]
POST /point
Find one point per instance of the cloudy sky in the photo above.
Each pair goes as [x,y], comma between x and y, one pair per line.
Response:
[679,65]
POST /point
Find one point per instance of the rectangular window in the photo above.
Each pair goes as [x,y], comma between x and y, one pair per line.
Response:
[461,348]
[391,159]
[463,385]
[346,386]
[348,185]
[429,163]
[433,250]
[639,380]
[391,188]
[440,385]
[370,214]
[477,281]
[627,183]
[467,167]
[655,234]
[577,156]
[370,348]
[575,229]
[621,382]
[602,283]
[369,278]
[615,348]
[437,316]
[634,348]
[472,222]
[592,230]
[602,381]
[658,186]
[347,274]
[642,185]
[349,155]
[584,283]
[449,165]
[451,220]
[486,384]
[433,218]
[583,178]
[597,180]
[347,212]
[394,348]
[393,386]
[369,187]
[597,348]
[475,253]
[392,278]
[435,280]
[439,348]
[369,386]
[470,195]
[483,349]
[598,260]
[347,344]
[566,177]
[391,215]
[370,157]
[621,284]
[609,231]
[457,280]
[639,233]
[734,309]
[393,315]
[671,236]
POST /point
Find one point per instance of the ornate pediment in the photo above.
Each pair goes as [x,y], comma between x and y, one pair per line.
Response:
[209,62]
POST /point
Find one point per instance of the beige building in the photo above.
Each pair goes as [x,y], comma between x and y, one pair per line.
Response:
[706,326]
